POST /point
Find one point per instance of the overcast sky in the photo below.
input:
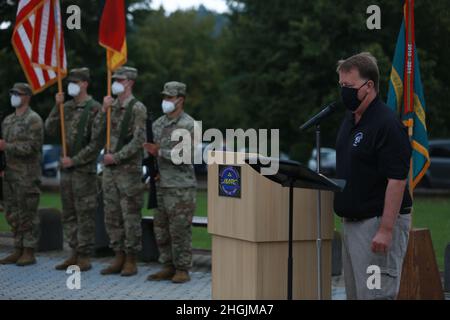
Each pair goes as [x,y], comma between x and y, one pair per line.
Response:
[173,5]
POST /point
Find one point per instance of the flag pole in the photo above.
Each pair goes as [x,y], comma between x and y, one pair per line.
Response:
[60,90]
[408,94]
[108,114]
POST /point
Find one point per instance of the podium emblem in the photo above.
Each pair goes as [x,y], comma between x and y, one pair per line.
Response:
[230,181]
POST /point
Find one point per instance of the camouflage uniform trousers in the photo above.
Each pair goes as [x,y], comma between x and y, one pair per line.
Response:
[79,203]
[173,226]
[123,198]
[21,201]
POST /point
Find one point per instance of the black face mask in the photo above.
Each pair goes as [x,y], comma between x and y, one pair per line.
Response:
[350,97]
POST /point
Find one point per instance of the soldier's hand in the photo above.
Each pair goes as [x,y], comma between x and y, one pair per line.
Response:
[107,103]
[108,159]
[59,98]
[67,162]
[2,145]
[152,148]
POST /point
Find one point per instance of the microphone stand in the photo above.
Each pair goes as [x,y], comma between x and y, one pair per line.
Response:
[315,121]
[319,219]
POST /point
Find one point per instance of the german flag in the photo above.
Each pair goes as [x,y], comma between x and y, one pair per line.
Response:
[112,34]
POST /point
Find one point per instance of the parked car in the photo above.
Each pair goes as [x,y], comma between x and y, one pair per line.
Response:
[51,155]
[327,161]
[438,175]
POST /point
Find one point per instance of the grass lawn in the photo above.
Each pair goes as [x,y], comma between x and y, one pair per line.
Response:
[201,238]
[431,213]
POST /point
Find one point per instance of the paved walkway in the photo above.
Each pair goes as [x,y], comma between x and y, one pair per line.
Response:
[42,282]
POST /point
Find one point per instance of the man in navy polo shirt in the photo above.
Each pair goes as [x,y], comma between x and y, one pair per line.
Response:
[373,155]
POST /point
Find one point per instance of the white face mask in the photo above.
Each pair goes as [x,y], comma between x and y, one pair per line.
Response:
[73,89]
[16,101]
[168,106]
[117,88]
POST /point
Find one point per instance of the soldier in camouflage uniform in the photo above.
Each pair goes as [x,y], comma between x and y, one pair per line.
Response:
[176,188]
[123,190]
[82,119]
[23,135]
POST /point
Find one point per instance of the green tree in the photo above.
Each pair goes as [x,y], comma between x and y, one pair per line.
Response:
[180,47]
[283,55]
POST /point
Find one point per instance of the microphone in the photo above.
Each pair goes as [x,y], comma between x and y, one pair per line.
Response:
[327,111]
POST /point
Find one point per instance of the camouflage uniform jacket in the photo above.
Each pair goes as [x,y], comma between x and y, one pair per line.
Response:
[173,175]
[131,153]
[24,136]
[86,158]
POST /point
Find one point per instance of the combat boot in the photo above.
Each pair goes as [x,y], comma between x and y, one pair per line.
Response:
[130,267]
[166,273]
[27,258]
[13,257]
[72,260]
[117,264]
[181,276]
[84,263]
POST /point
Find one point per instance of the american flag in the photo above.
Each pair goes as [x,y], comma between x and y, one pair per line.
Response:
[37,36]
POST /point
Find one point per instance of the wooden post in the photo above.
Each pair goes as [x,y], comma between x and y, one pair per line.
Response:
[420,276]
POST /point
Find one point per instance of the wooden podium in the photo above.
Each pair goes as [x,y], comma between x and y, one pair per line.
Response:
[249,232]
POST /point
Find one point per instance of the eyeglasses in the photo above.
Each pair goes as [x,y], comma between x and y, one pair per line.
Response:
[352,86]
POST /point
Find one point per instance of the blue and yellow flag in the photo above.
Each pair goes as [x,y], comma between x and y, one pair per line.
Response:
[406,95]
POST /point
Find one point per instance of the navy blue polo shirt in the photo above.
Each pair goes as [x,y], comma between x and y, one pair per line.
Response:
[369,153]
